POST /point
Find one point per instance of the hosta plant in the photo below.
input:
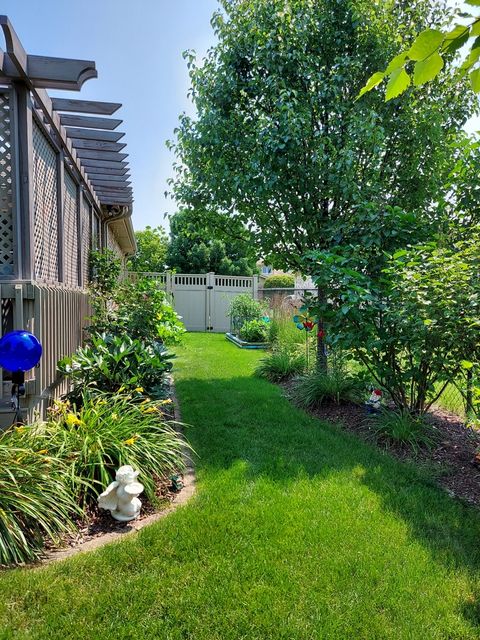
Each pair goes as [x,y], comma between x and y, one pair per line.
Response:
[110,362]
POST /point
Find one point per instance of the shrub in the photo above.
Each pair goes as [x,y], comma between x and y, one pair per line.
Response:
[284,281]
[35,502]
[254,331]
[317,388]
[281,364]
[404,428]
[413,323]
[110,362]
[143,312]
[246,307]
[109,431]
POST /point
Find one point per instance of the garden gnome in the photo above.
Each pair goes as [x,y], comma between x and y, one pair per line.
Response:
[121,496]
[374,402]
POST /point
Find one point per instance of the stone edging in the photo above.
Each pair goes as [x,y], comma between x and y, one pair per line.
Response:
[180,499]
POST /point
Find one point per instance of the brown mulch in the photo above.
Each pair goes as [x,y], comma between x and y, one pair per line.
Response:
[452,458]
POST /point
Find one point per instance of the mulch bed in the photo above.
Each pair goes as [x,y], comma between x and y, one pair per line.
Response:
[453,454]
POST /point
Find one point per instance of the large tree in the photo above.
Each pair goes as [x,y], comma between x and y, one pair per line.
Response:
[151,250]
[194,248]
[281,144]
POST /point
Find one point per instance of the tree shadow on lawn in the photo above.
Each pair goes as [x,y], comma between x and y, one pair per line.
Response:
[248,420]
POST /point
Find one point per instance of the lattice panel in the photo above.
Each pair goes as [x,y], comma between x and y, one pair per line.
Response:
[6,201]
[70,231]
[113,245]
[85,219]
[95,232]
[45,207]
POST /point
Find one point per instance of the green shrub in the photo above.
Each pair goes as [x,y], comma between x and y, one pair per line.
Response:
[110,362]
[404,428]
[285,281]
[143,312]
[244,308]
[109,431]
[35,502]
[254,331]
[281,364]
[317,388]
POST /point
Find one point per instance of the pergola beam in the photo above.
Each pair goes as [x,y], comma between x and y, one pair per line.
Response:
[91,122]
[86,106]
[94,163]
[98,177]
[97,145]
[94,134]
[92,154]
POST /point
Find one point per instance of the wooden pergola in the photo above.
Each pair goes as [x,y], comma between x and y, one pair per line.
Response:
[90,140]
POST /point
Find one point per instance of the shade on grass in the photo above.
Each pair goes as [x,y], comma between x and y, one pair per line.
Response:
[298,531]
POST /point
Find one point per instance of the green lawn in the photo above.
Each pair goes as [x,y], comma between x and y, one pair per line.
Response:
[298,531]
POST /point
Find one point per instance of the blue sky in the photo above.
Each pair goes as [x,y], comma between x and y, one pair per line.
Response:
[137,47]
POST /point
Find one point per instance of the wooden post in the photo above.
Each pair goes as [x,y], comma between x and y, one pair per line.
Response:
[80,247]
[60,214]
[255,287]
[24,223]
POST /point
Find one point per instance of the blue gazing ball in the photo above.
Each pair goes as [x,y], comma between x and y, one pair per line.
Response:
[19,351]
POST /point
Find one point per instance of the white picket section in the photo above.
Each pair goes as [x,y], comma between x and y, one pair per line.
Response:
[203,299]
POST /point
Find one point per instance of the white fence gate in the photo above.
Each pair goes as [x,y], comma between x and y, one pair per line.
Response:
[203,299]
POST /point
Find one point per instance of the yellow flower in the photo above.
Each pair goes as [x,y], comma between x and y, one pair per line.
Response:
[72,420]
[114,416]
[43,451]
[122,389]
[167,401]
[131,440]
[139,389]
[19,429]
[150,410]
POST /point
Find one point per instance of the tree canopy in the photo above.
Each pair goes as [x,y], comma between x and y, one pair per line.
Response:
[196,249]
[151,250]
[281,145]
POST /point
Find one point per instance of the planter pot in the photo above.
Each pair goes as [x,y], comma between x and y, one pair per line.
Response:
[246,345]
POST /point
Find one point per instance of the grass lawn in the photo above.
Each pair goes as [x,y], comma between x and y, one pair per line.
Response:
[298,531]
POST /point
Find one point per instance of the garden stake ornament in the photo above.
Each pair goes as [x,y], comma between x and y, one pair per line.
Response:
[307,323]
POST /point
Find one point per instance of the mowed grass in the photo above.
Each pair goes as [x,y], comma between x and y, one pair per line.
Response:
[298,531]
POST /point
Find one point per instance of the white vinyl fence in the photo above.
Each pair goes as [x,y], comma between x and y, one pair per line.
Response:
[203,299]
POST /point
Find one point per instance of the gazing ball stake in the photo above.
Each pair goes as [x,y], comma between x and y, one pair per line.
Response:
[121,496]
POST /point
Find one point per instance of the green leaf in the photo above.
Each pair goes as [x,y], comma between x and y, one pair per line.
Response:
[426,43]
[371,83]
[475,80]
[426,70]
[396,63]
[456,38]
[466,364]
[475,28]
[399,81]
[473,3]
[399,254]
[472,56]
